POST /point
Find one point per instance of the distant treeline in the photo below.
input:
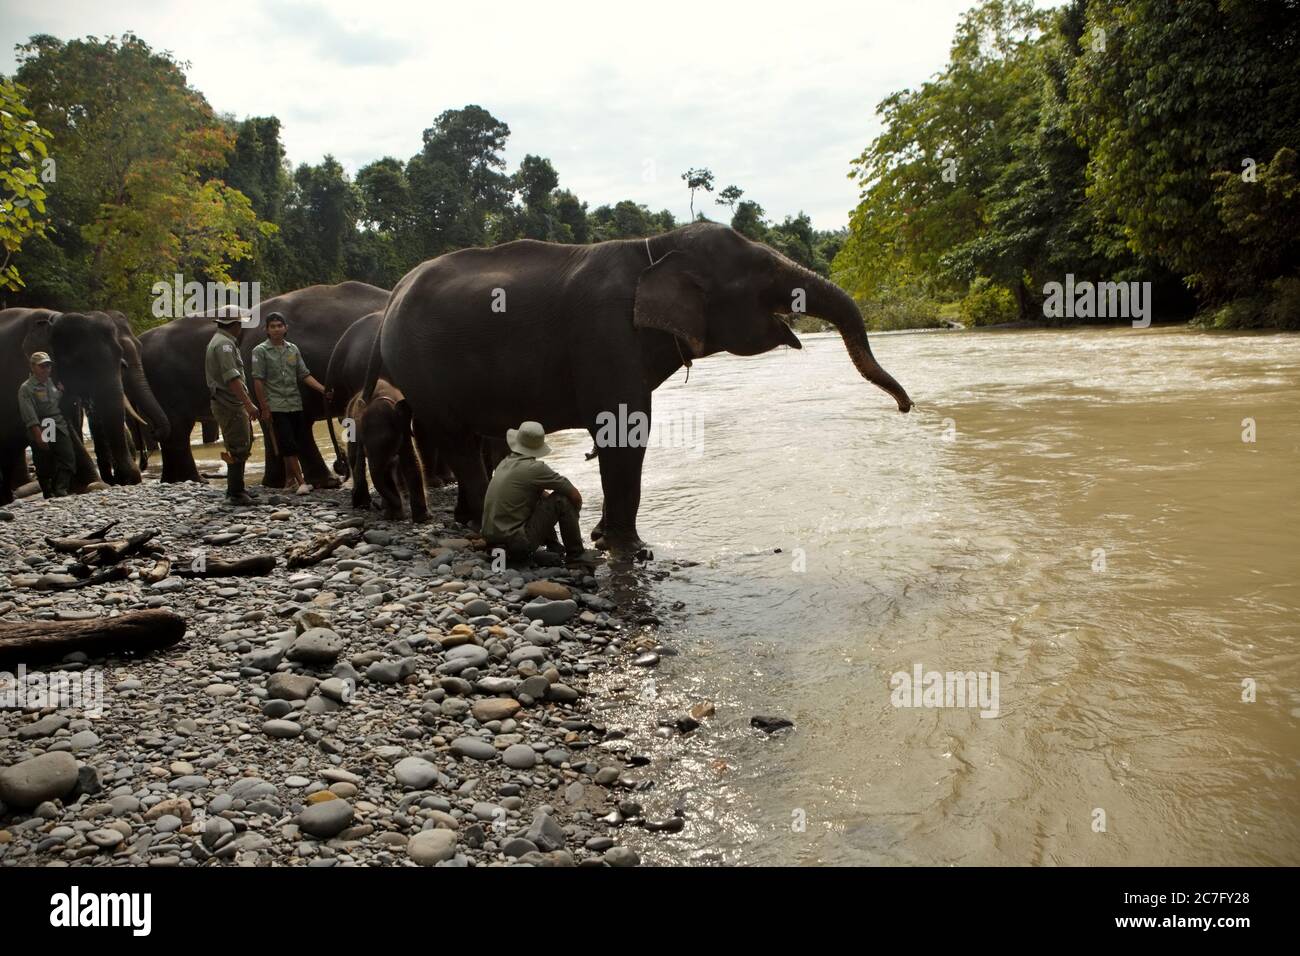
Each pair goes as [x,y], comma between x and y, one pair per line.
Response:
[1108,140]
[148,182]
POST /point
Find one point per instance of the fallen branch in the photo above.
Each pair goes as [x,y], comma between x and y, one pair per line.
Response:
[111,552]
[136,631]
[321,548]
[161,568]
[103,576]
[243,567]
[74,544]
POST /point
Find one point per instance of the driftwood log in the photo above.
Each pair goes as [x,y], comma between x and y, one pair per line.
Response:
[75,543]
[137,631]
[321,548]
[89,576]
[243,567]
[111,552]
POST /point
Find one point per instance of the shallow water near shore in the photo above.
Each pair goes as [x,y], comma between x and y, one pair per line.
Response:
[965,537]
[969,536]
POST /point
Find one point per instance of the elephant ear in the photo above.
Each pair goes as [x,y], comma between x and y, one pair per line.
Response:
[671,298]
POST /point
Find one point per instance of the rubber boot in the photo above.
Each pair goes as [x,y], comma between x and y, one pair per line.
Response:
[235,492]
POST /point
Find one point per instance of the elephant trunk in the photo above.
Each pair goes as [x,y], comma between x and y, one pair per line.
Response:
[109,417]
[828,301]
[142,398]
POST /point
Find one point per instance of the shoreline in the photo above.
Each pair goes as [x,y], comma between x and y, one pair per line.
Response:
[231,747]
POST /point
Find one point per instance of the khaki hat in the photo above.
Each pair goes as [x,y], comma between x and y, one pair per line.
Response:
[42,358]
[227,316]
[529,439]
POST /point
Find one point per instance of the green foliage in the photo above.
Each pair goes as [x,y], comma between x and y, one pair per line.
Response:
[1106,138]
[987,304]
[23,151]
[136,198]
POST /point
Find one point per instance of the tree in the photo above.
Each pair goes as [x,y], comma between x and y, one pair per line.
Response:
[139,152]
[729,197]
[23,151]
[1178,91]
[748,221]
[701,178]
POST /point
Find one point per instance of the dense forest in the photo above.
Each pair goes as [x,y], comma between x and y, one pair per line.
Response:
[1113,140]
[1144,140]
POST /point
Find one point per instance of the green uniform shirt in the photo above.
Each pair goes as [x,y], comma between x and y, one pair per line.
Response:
[513,492]
[39,401]
[281,370]
[222,364]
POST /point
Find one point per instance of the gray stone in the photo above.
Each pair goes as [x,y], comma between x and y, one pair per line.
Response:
[472,654]
[283,729]
[520,757]
[429,847]
[290,686]
[26,784]
[326,819]
[550,613]
[318,646]
[474,748]
[545,832]
[415,773]
[621,856]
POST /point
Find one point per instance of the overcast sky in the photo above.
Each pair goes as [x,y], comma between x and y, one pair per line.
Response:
[621,95]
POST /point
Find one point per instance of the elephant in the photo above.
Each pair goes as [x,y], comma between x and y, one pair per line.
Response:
[382,437]
[97,360]
[346,378]
[173,359]
[481,339]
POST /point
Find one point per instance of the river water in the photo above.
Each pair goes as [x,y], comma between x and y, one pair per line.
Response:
[1075,512]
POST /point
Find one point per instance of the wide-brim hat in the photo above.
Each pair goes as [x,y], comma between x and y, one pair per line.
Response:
[230,315]
[529,439]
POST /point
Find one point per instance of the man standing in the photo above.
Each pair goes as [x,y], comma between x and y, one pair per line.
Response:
[278,369]
[526,498]
[234,411]
[47,430]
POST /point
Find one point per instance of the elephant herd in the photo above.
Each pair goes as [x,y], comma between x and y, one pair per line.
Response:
[466,346]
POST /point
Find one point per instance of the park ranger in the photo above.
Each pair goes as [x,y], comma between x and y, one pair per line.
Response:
[278,372]
[234,411]
[47,430]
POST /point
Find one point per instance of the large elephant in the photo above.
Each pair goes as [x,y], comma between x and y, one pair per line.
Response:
[481,339]
[346,378]
[173,359]
[97,360]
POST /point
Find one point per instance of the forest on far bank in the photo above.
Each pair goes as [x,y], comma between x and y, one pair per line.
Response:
[1150,141]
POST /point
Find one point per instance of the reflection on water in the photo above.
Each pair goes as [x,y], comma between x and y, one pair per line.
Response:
[969,536]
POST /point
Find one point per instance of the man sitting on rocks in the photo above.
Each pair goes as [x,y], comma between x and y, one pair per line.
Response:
[526,498]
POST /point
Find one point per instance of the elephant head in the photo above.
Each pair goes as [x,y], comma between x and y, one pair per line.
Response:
[717,291]
[97,359]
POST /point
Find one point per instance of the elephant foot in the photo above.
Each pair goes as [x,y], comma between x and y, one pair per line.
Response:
[625,546]
[361,504]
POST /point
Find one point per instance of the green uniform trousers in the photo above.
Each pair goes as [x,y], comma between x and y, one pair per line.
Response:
[56,464]
[236,430]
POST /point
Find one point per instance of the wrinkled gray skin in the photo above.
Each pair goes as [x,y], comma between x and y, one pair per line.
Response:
[97,362]
[173,352]
[346,377]
[585,330]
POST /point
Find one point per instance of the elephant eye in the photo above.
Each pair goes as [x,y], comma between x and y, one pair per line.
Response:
[123,363]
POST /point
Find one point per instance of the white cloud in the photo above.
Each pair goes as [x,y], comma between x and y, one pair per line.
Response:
[775,98]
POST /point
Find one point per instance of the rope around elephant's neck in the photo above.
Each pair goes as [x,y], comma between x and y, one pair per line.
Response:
[676,341]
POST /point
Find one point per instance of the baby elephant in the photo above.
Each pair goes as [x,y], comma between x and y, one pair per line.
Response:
[381,433]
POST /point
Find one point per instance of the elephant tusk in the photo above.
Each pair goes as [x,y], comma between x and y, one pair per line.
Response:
[130,410]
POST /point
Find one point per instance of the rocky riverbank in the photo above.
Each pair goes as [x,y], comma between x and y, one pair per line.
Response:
[399,703]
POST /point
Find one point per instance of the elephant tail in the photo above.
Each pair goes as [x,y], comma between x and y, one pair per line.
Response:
[340,459]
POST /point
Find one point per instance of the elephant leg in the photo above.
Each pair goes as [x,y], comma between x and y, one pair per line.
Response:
[431,460]
[177,458]
[466,461]
[382,451]
[620,477]
[598,531]
[13,470]
[413,479]
[314,470]
[103,455]
[211,433]
[274,475]
[357,464]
